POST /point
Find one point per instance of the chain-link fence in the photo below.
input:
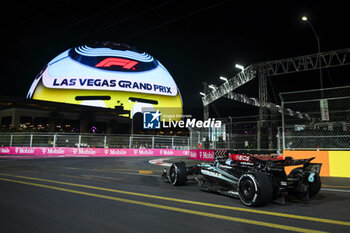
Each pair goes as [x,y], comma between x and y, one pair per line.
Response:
[307,120]
[211,138]
[93,140]
[237,133]
[316,119]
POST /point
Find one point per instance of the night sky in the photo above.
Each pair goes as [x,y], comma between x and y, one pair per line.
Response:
[197,41]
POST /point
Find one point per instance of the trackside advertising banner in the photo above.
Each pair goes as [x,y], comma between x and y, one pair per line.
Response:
[204,155]
[87,152]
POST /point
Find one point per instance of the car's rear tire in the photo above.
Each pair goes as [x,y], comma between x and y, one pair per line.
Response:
[314,187]
[178,174]
[255,189]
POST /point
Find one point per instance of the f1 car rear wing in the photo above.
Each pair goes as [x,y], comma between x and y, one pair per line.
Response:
[243,156]
[289,161]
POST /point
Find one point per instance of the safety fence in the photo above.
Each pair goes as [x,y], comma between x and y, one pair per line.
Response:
[306,120]
[93,141]
[316,119]
[236,133]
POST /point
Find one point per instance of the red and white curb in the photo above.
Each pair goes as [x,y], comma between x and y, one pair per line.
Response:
[160,162]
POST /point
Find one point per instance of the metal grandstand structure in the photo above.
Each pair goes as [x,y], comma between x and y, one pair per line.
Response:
[262,71]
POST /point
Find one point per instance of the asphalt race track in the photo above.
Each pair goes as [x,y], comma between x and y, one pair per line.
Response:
[128,195]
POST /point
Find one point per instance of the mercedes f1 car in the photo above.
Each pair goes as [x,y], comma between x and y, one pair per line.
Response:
[254,181]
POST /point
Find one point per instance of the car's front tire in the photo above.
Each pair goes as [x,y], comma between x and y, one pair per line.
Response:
[178,174]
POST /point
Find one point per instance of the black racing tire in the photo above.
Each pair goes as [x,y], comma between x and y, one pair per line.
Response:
[177,174]
[295,173]
[255,189]
[314,187]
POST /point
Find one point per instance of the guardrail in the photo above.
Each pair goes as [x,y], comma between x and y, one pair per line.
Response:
[93,141]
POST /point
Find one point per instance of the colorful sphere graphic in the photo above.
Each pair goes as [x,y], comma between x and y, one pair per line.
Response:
[108,75]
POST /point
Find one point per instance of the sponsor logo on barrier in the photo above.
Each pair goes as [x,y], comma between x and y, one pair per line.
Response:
[86,151]
[146,152]
[167,152]
[193,154]
[54,151]
[5,150]
[24,150]
[206,155]
[117,152]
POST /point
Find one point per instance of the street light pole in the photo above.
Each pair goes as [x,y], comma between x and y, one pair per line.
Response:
[305,19]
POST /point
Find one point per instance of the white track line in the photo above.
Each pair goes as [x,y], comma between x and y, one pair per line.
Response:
[336,190]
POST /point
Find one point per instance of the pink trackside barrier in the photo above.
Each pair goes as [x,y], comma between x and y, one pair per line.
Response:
[204,155]
[45,152]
